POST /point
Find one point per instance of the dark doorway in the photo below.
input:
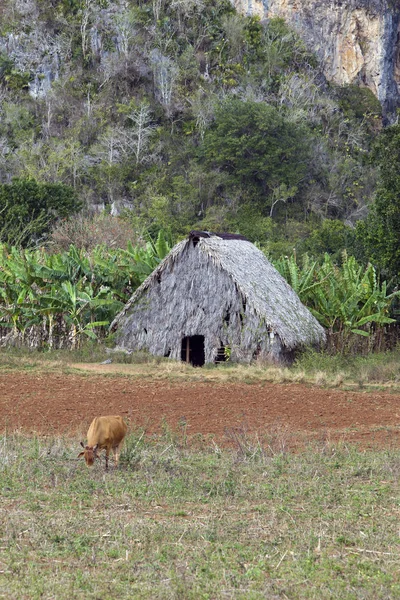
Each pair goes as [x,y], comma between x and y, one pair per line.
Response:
[193,350]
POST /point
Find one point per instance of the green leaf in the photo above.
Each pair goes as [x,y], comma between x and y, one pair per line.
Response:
[360,332]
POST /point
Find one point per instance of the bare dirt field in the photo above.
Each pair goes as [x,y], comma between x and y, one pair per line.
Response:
[60,403]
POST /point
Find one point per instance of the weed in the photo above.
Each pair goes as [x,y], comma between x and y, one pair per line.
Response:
[320,379]
[133,448]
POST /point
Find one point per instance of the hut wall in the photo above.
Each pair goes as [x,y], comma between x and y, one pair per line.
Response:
[193,296]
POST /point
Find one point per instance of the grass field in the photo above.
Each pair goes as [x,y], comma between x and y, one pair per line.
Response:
[180,521]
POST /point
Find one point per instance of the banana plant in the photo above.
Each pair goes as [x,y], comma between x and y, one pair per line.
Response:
[345,299]
[143,260]
[78,309]
[303,279]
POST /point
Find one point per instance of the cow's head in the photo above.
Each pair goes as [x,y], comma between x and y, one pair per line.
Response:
[90,453]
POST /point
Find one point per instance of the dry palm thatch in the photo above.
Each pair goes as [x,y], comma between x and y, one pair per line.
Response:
[224,290]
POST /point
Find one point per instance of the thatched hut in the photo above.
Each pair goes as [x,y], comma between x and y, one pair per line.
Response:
[216,296]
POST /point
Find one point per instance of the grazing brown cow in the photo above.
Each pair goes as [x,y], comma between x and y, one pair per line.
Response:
[104,432]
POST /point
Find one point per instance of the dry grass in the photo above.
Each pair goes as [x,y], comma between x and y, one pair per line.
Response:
[379,371]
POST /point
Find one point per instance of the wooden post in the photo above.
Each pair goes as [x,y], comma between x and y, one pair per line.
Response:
[187,349]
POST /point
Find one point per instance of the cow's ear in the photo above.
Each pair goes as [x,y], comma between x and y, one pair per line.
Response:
[82,444]
[80,454]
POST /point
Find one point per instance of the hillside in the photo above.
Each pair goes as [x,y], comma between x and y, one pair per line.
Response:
[186,114]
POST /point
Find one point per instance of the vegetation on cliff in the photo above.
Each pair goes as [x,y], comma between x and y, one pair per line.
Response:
[187,113]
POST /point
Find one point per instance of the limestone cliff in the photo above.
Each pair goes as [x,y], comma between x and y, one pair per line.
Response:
[358,41]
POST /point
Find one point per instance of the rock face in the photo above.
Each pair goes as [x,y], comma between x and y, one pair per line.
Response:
[358,41]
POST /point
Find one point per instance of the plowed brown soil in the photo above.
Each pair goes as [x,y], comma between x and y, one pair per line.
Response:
[48,403]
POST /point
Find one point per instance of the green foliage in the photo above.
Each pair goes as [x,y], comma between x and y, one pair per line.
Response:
[290,51]
[253,34]
[358,102]
[17,124]
[145,260]
[28,209]
[332,237]
[379,234]
[6,65]
[346,300]
[252,225]
[256,145]
[12,78]
[70,7]
[67,296]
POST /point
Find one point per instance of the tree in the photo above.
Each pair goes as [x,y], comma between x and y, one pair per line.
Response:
[138,138]
[55,161]
[331,237]
[379,234]
[165,73]
[85,17]
[256,145]
[28,209]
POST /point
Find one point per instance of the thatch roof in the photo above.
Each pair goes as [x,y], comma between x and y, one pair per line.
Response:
[264,292]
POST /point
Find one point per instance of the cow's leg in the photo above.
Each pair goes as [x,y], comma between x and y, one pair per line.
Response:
[107,454]
[117,451]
